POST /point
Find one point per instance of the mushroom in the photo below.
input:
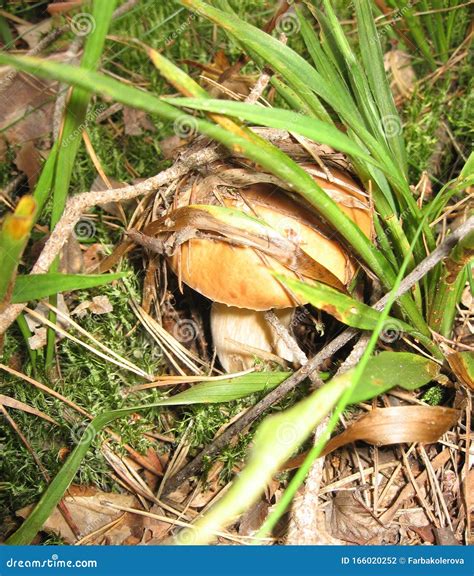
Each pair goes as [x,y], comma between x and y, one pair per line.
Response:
[232,261]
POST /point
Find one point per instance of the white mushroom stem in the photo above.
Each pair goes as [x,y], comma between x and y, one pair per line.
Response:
[241,335]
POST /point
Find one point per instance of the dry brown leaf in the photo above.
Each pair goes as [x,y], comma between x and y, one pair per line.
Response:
[90,513]
[460,366]
[71,260]
[32,34]
[136,121]
[38,339]
[100,305]
[351,521]
[28,161]
[27,107]
[170,146]
[403,77]
[155,530]
[253,519]
[397,425]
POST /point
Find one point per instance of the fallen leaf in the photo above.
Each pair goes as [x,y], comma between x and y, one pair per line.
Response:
[398,65]
[424,532]
[89,511]
[27,105]
[155,530]
[100,305]
[39,339]
[252,520]
[92,256]
[71,260]
[136,121]
[170,146]
[397,425]
[462,364]
[32,34]
[351,521]
[445,537]
[28,161]
[63,7]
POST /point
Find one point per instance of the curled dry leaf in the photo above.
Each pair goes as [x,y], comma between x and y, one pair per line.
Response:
[397,425]
[462,364]
[403,77]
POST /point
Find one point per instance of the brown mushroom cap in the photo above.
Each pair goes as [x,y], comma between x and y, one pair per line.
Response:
[241,276]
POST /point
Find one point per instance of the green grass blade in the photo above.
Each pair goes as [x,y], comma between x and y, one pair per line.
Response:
[355,381]
[352,312]
[371,52]
[37,286]
[297,73]
[416,30]
[280,435]
[312,128]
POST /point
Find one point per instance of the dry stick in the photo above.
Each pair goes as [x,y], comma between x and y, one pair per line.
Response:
[290,383]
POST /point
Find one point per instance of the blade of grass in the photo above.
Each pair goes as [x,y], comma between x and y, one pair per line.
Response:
[38,286]
[372,57]
[350,311]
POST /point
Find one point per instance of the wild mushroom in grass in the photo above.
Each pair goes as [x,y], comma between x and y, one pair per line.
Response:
[227,243]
